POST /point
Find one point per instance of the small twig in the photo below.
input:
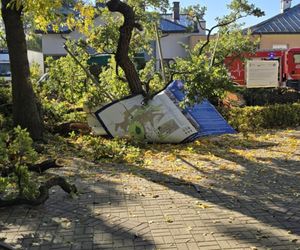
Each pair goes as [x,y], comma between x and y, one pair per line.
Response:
[213,28]
[180,73]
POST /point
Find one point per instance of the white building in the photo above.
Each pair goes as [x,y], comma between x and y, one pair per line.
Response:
[176,29]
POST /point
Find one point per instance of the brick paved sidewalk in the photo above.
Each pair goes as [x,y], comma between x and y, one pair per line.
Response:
[150,210]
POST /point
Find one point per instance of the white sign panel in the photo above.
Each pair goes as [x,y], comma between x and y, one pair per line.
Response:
[159,121]
[262,74]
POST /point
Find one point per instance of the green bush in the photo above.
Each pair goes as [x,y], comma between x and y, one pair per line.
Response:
[16,152]
[268,117]
[55,112]
[264,97]
[5,95]
[2,120]
[5,107]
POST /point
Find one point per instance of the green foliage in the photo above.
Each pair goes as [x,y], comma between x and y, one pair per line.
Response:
[34,41]
[111,83]
[242,8]
[20,149]
[117,150]
[2,38]
[16,153]
[256,118]
[204,81]
[55,112]
[2,120]
[5,107]
[35,73]
[66,87]
[67,81]
[206,77]
[262,97]
[5,95]
[105,37]
[149,76]
[41,12]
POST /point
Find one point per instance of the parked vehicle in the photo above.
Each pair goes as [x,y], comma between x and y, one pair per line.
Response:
[5,72]
[266,69]
[33,57]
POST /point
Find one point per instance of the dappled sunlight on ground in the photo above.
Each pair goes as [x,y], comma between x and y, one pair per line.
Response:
[230,192]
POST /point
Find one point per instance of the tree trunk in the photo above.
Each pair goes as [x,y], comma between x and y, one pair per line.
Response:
[125,31]
[25,109]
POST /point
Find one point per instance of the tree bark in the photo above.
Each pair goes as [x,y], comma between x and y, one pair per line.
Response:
[65,129]
[38,168]
[25,109]
[125,31]
[43,193]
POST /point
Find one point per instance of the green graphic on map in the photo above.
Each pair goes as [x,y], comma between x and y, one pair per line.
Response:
[158,121]
[137,118]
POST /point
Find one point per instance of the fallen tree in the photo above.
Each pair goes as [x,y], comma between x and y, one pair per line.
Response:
[38,168]
[68,127]
[43,193]
[18,174]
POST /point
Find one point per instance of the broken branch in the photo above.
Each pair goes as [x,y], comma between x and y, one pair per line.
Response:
[66,128]
[43,193]
[38,168]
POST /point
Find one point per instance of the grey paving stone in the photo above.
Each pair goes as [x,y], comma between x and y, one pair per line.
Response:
[112,213]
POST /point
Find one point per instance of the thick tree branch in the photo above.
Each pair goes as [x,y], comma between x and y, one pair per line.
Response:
[122,58]
[68,127]
[38,168]
[45,165]
[43,193]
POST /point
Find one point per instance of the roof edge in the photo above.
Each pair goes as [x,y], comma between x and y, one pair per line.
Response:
[257,26]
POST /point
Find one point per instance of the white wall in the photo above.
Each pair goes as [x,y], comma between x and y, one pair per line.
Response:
[36,57]
[52,44]
[172,45]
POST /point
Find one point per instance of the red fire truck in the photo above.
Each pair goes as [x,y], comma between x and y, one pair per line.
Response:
[270,68]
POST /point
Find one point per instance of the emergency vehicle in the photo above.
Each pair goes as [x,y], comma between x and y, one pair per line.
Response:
[266,69]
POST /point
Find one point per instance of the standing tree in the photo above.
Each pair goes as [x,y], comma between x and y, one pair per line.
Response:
[25,108]
[26,112]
